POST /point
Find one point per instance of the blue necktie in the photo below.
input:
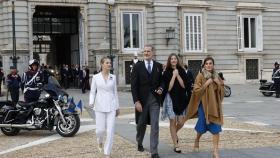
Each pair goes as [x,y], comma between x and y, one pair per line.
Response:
[149,67]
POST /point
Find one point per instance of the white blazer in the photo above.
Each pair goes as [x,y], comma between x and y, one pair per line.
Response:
[103,94]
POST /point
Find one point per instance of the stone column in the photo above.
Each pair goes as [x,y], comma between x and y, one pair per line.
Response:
[83,36]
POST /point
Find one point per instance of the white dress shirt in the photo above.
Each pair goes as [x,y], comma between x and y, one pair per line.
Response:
[151,64]
[135,61]
[103,94]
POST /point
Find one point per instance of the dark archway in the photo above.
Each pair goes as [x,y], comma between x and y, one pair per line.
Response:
[56,33]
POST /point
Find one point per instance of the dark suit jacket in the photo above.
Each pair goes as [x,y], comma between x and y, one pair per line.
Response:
[143,83]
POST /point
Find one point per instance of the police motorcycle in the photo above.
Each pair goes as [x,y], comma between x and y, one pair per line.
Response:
[53,111]
[268,88]
[227,88]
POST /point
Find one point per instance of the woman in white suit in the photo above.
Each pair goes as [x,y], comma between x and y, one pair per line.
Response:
[104,99]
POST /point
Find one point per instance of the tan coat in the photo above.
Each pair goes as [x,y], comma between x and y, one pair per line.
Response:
[211,97]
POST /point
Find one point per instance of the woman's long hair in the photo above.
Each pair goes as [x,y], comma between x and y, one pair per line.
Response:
[179,63]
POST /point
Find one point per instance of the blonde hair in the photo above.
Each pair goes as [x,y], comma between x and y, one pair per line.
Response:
[102,61]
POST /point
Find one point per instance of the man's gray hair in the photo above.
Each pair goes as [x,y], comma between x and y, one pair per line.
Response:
[151,46]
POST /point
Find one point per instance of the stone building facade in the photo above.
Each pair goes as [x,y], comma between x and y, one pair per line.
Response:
[242,35]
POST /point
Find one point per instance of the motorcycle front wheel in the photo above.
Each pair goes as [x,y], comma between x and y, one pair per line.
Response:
[71,127]
[10,131]
[267,94]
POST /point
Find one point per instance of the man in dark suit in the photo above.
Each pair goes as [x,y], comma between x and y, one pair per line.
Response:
[146,88]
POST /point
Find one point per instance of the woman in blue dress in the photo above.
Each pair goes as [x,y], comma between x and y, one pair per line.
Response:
[206,104]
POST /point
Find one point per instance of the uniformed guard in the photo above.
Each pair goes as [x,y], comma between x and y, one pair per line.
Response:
[276,67]
[31,79]
[276,79]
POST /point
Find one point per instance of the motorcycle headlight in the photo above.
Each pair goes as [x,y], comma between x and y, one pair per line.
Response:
[63,99]
[47,95]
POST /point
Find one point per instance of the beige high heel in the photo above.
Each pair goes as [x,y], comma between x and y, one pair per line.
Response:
[216,154]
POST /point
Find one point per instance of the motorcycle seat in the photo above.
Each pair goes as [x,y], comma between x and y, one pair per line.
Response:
[263,81]
[25,104]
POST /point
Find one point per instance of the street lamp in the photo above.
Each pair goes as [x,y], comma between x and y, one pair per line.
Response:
[111,3]
[14,57]
[170,34]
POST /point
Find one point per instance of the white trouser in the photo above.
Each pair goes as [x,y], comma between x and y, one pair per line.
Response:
[105,120]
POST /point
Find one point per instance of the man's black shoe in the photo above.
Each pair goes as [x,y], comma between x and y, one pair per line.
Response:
[140,148]
[155,156]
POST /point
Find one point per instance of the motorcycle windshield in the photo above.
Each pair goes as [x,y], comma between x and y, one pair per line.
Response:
[53,87]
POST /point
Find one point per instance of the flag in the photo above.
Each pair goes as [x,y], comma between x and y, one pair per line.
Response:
[71,107]
[80,106]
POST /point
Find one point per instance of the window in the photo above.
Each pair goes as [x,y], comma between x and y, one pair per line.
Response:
[193,33]
[131,30]
[41,44]
[249,30]
[252,69]
[249,26]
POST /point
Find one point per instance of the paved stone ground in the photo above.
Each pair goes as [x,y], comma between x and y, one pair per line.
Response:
[84,145]
[254,141]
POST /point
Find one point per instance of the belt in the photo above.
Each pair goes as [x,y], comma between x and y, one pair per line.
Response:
[29,88]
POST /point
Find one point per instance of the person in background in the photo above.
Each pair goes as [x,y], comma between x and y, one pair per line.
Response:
[206,104]
[82,76]
[61,72]
[87,78]
[13,84]
[104,100]
[46,74]
[190,80]
[76,72]
[73,76]
[67,76]
[134,61]
[2,78]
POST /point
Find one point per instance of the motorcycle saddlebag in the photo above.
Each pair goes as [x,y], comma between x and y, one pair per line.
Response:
[4,108]
[266,86]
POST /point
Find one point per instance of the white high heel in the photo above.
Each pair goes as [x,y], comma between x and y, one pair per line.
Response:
[100,147]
